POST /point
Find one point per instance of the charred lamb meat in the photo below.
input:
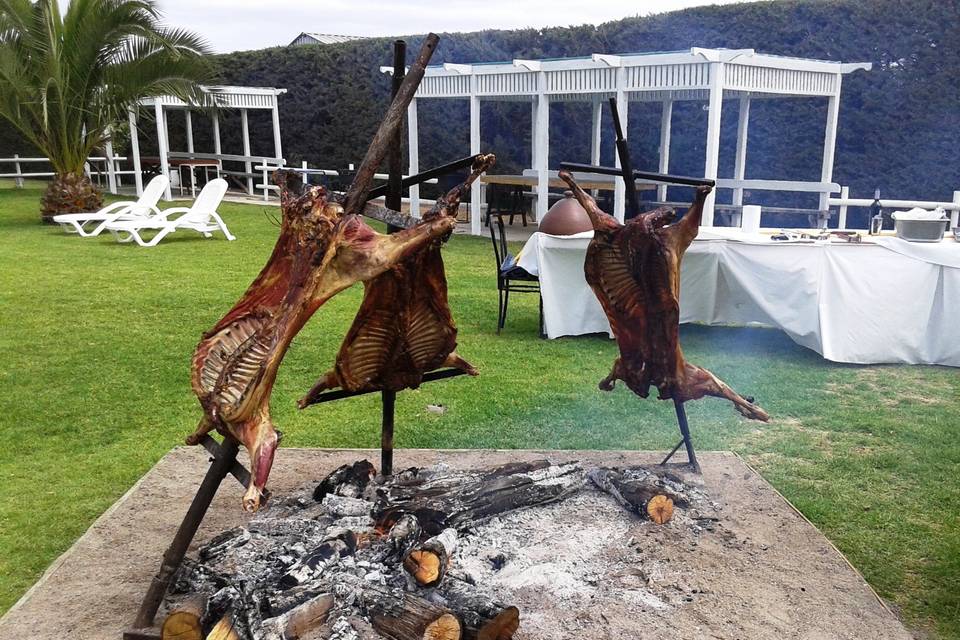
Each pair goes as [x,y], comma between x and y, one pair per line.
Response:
[634,270]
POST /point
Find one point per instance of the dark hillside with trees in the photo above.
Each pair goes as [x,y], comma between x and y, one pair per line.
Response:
[899,123]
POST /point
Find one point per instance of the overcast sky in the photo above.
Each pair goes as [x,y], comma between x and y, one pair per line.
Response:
[231,25]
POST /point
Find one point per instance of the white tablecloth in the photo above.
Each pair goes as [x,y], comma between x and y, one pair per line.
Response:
[883,302]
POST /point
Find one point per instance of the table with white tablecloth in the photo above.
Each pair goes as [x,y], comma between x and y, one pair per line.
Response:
[882,301]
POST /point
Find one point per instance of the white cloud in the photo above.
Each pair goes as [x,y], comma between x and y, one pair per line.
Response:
[231,25]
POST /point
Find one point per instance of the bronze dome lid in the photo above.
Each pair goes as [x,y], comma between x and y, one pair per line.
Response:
[566,218]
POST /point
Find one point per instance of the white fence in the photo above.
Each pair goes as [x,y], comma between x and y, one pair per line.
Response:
[100,168]
[266,168]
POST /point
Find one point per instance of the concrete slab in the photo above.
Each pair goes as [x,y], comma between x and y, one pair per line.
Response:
[781,579]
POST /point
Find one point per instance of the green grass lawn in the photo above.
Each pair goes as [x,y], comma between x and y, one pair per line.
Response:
[95,346]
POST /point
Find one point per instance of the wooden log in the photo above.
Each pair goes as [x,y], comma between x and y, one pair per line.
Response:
[483,618]
[224,629]
[185,622]
[461,499]
[297,621]
[428,561]
[641,495]
[418,619]
[349,480]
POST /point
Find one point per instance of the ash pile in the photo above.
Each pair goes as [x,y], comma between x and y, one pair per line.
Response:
[432,553]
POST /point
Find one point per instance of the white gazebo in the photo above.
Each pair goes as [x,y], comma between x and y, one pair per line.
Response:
[710,75]
[240,98]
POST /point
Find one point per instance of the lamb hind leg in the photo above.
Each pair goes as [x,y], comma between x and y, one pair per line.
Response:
[454,360]
[699,382]
[328,381]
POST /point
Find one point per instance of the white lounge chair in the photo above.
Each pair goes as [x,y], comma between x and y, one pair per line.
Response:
[201,217]
[143,207]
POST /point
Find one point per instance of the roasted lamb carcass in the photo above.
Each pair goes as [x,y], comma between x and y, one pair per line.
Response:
[320,252]
[403,328]
[634,269]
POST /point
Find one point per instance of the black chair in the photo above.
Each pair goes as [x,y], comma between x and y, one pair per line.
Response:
[510,277]
[506,200]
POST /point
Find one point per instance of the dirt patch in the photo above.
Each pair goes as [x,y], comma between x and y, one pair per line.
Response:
[761,572]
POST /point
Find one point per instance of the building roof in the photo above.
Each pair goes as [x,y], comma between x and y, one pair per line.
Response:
[308,37]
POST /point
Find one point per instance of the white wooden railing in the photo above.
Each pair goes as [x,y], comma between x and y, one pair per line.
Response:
[845,201]
[96,167]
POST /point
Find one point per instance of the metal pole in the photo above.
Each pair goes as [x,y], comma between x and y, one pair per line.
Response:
[174,554]
[389,399]
[685,432]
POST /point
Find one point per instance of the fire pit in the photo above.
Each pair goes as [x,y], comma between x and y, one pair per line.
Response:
[436,553]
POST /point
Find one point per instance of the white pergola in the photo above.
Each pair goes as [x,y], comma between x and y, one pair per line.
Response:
[710,75]
[240,98]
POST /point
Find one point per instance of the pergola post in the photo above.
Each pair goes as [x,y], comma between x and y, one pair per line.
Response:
[248,166]
[666,120]
[111,169]
[712,161]
[413,156]
[542,155]
[162,146]
[740,163]
[277,146]
[215,119]
[830,141]
[475,212]
[619,187]
[135,149]
[596,131]
[188,117]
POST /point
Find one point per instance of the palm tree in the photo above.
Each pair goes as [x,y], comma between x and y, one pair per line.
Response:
[67,78]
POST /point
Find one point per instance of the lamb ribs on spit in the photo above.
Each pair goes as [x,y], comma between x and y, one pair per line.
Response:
[634,270]
[403,328]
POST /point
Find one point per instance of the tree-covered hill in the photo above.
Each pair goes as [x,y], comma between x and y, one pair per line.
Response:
[899,123]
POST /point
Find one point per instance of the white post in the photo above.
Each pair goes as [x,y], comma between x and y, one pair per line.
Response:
[111,169]
[189,124]
[413,156]
[712,161]
[306,176]
[740,163]
[619,187]
[18,181]
[842,220]
[596,133]
[215,118]
[543,149]
[216,132]
[248,166]
[135,150]
[666,121]
[955,214]
[830,141]
[266,184]
[277,147]
[476,224]
[162,146]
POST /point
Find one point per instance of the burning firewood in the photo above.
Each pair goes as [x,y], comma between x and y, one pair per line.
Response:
[224,629]
[404,327]
[634,269]
[427,563]
[185,622]
[638,494]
